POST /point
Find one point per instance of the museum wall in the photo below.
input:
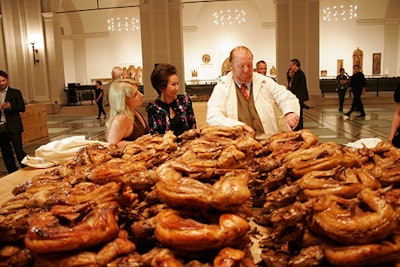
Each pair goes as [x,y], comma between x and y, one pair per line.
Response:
[103,49]
[340,39]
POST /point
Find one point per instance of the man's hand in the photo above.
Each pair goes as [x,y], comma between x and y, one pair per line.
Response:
[6,105]
[291,121]
[249,129]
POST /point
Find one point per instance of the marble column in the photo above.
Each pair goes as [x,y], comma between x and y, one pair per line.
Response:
[3,63]
[391,48]
[297,36]
[162,39]
[19,34]
[16,46]
[55,74]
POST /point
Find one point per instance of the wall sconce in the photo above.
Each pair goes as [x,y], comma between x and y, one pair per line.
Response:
[35,54]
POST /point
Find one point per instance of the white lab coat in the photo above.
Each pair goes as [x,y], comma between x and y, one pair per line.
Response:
[222,109]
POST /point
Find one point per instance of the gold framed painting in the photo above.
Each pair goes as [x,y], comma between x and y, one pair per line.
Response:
[358,56]
[339,65]
[206,58]
[376,63]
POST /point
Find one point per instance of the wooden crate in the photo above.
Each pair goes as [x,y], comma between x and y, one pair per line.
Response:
[34,120]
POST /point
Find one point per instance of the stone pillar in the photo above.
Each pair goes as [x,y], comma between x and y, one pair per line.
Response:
[3,63]
[391,63]
[21,31]
[162,39]
[391,48]
[297,36]
[54,56]
[16,46]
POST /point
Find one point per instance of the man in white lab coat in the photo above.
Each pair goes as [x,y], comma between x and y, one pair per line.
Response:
[247,98]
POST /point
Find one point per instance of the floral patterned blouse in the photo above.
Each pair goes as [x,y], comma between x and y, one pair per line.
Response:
[159,117]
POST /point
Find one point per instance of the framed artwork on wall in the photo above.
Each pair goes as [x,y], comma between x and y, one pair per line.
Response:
[206,58]
[358,56]
[339,65]
[225,67]
[376,63]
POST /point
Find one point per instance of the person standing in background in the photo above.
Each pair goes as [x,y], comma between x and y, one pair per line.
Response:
[394,137]
[116,73]
[261,67]
[299,88]
[289,76]
[12,104]
[341,81]
[170,111]
[358,85]
[99,99]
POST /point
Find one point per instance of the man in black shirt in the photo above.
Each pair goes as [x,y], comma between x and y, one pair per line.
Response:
[358,86]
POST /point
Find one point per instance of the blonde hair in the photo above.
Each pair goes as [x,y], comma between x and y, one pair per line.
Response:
[120,89]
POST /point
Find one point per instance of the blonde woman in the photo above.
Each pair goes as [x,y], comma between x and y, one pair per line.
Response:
[125,123]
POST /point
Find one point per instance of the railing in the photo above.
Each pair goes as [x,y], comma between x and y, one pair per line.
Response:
[77,93]
[377,84]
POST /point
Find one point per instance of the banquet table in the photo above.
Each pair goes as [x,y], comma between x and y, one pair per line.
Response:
[10,181]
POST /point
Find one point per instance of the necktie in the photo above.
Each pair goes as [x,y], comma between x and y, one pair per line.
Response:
[244,91]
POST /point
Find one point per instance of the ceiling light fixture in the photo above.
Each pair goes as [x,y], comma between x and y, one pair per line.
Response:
[341,12]
[229,17]
[123,24]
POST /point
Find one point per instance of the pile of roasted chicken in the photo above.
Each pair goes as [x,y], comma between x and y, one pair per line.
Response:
[202,199]
[327,204]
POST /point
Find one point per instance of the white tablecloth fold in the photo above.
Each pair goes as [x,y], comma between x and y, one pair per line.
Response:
[58,152]
[367,142]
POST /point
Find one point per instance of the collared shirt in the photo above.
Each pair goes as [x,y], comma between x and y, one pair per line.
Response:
[248,86]
[3,100]
[247,112]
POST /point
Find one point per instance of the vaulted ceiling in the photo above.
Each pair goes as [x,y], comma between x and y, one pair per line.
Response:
[370,8]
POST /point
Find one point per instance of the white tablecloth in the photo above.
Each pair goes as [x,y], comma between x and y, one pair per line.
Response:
[58,152]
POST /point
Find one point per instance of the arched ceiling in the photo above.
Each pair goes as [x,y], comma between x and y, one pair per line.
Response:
[79,5]
[368,9]
[391,7]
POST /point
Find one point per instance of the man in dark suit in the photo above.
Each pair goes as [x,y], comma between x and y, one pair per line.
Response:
[299,88]
[358,86]
[11,104]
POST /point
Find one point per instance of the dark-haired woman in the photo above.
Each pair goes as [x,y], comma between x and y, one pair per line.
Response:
[170,111]
[98,94]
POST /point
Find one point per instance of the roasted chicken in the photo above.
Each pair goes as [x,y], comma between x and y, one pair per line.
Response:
[187,201]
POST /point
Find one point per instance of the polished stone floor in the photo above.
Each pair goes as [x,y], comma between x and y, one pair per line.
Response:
[323,118]
[329,124]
